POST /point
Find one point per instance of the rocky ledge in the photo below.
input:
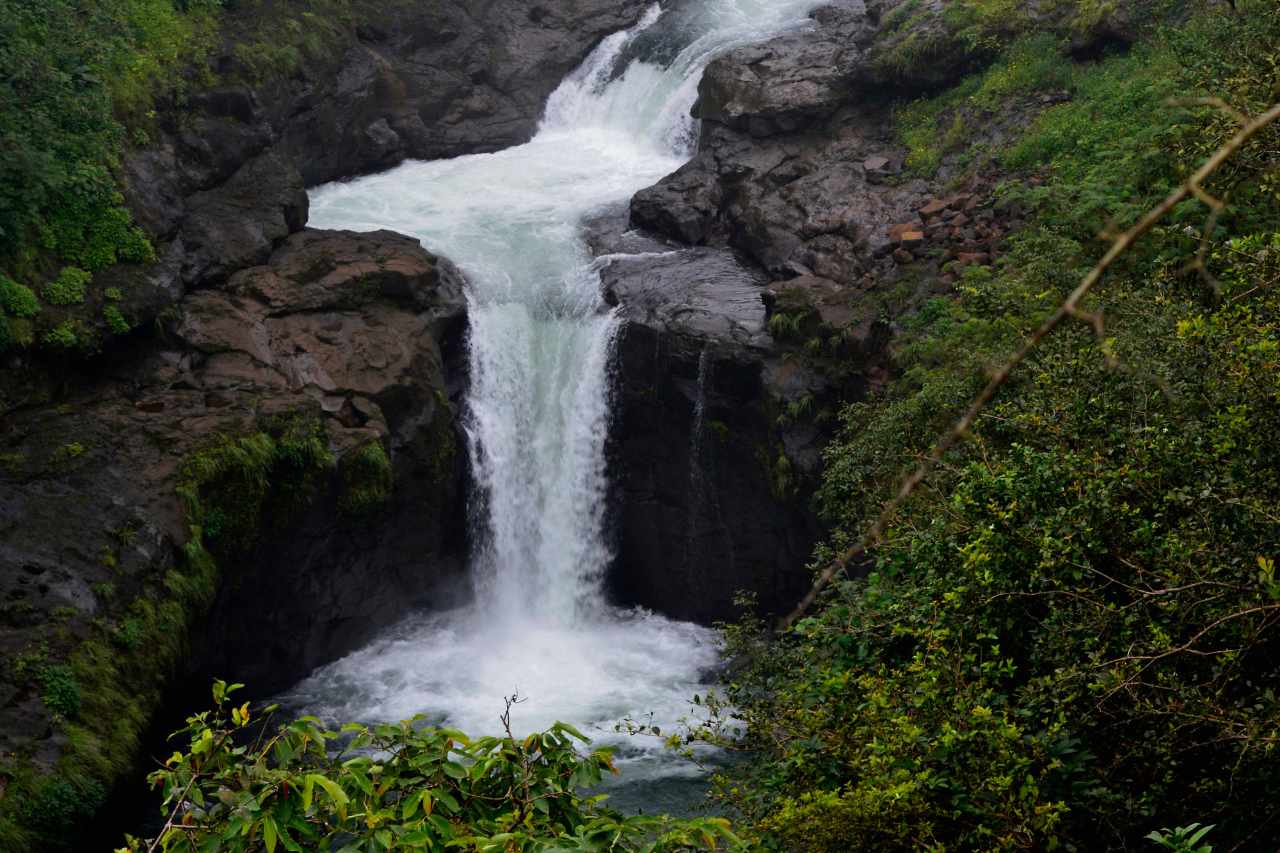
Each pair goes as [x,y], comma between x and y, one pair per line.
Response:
[257,490]
[777,264]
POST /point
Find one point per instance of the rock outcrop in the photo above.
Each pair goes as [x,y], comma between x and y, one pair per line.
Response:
[349,327]
[432,80]
[706,503]
[220,180]
[811,239]
[299,417]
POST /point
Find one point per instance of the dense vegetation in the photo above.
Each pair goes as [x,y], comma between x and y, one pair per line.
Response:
[1067,639]
[241,786]
[79,78]
[84,80]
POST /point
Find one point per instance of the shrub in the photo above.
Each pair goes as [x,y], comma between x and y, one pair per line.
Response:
[75,69]
[68,288]
[1066,639]
[17,300]
[406,786]
[61,690]
[115,320]
[64,336]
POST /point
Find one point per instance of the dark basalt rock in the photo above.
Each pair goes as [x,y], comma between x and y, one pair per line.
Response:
[349,329]
[432,80]
[706,503]
[353,325]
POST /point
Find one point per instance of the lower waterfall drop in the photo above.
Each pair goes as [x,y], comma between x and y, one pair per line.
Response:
[537,413]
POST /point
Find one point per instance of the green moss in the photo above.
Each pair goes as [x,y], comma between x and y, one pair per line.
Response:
[109,686]
[26,665]
[68,288]
[63,336]
[129,634]
[236,487]
[115,320]
[366,479]
[66,453]
[61,690]
[17,300]
[113,294]
[56,803]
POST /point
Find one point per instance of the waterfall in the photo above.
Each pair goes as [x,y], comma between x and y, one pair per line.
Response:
[537,412]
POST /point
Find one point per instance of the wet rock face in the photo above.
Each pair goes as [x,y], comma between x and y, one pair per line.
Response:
[432,80]
[736,353]
[701,509]
[348,325]
[223,182]
[351,330]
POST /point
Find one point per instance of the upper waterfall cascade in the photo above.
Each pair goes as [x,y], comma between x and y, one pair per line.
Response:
[537,413]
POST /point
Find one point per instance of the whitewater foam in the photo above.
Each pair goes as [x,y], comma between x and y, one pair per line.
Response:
[537,412]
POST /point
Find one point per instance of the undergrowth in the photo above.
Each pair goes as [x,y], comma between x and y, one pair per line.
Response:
[1067,640]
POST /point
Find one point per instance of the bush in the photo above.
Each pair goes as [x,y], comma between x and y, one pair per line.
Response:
[1066,639]
[68,288]
[408,786]
[17,300]
[63,336]
[61,690]
[115,320]
[75,69]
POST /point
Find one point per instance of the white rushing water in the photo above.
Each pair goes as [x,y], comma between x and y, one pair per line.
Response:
[537,414]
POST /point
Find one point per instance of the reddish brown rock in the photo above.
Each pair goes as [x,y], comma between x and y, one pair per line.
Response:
[933,207]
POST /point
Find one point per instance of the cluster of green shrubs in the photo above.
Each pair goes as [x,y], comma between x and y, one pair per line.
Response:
[238,785]
[1068,639]
[86,75]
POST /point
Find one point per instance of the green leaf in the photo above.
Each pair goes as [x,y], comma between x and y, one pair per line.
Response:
[335,793]
[409,807]
[269,833]
[445,797]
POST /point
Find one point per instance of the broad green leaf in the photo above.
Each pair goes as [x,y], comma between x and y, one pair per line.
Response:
[335,793]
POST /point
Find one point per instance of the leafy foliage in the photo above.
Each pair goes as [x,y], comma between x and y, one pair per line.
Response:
[67,288]
[366,479]
[1068,636]
[61,691]
[408,786]
[82,72]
